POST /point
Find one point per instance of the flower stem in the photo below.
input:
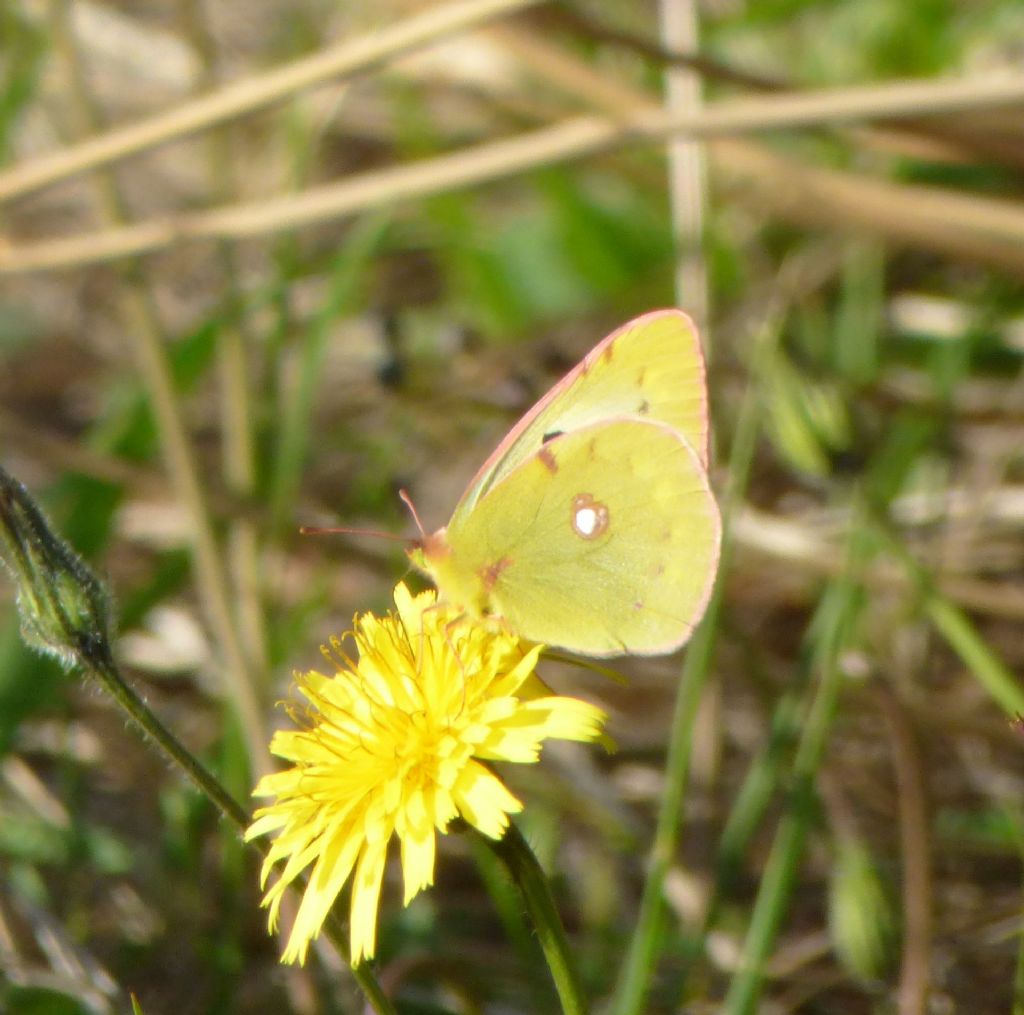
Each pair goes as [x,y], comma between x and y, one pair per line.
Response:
[104,669]
[65,612]
[100,665]
[515,853]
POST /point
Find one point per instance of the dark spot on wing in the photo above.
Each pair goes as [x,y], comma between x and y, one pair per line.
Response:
[644,407]
[551,436]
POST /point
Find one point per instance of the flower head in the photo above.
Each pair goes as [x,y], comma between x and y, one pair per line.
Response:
[393,743]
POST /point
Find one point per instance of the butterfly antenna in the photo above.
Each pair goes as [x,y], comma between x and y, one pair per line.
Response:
[404,497]
[317,530]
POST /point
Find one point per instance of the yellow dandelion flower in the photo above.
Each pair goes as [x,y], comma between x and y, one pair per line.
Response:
[393,744]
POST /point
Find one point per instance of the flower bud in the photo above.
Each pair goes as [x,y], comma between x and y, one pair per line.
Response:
[63,606]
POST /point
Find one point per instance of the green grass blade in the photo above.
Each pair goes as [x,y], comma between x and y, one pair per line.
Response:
[830,634]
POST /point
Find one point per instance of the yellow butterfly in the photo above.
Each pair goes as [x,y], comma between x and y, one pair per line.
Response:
[592,527]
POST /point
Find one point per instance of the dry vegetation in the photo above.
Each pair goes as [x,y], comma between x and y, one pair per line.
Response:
[263,264]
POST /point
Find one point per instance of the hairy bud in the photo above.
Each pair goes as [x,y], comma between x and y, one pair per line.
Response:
[63,606]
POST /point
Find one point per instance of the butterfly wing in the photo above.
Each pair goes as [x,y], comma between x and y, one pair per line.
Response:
[603,542]
[651,368]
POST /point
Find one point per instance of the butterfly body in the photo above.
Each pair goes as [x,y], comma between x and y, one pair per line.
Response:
[592,526]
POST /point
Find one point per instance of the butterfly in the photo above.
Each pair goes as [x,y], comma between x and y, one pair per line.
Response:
[592,526]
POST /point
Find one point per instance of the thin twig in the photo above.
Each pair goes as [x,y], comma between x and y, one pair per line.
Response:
[256,92]
[914,839]
[581,22]
[925,212]
[933,139]
[687,171]
[796,545]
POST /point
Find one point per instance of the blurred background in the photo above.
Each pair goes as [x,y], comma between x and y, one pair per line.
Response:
[264,264]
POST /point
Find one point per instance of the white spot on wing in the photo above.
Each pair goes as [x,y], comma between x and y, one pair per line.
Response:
[589,517]
[586,521]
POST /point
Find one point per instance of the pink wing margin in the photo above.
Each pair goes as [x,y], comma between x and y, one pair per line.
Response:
[583,367]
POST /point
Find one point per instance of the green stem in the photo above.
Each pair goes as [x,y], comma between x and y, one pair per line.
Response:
[832,632]
[642,956]
[1017,1004]
[99,664]
[954,625]
[786,854]
[988,669]
[515,853]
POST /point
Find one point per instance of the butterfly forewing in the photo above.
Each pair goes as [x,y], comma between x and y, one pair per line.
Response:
[651,368]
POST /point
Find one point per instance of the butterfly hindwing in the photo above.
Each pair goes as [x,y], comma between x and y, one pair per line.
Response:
[603,541]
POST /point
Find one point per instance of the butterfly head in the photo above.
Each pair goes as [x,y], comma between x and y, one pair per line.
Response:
[434,556]
[428,552]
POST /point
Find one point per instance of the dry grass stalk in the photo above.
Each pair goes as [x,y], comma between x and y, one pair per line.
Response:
[996,227]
